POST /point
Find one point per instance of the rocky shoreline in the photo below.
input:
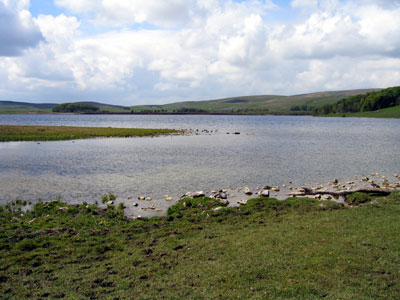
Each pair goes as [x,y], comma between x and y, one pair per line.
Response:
[335,190]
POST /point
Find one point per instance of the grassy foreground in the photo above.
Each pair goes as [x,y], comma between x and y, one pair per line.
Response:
[268,249]
[10,133]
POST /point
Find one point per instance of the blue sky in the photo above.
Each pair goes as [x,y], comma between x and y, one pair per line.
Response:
[148,52]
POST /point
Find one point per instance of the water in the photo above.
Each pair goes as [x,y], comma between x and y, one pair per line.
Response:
[279,150]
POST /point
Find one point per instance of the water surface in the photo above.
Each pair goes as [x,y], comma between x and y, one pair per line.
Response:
[279,150]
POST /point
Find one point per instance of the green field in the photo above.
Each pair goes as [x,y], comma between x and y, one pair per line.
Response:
[10,133]
[390,112]
[268,249]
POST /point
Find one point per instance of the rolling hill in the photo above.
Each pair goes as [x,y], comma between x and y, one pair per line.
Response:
[253,104]
[258,104]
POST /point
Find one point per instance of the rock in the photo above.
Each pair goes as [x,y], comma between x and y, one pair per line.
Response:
[284,185]
[349,182]
[223,201]
[213,191]
[266,187]
[198,194]
[223,190]
[365,179]
[275,189]
[335,181]
[148,199]
[221,195]
[301,190]
[317,196]
[141,198]
[135,204]
[242,202]
[168,199]
[247,191]
[139,217]
[217,208]
[264,193]
[237,132]
[395,175]
[152,207]
[109,202]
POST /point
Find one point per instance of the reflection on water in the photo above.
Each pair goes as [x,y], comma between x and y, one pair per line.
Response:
[282,149]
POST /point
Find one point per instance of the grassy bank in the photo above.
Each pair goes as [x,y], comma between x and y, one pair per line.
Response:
[53,133]
[391,112]
[267,249]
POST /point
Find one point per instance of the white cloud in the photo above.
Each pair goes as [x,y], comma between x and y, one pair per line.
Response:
[226,48]
[17,31]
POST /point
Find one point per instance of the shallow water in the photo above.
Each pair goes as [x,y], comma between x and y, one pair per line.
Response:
[280,149]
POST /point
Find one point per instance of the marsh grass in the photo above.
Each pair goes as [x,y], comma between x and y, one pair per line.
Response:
[10,133]
[268,249]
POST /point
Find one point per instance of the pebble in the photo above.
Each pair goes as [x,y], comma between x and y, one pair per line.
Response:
[148,199]
[135,204]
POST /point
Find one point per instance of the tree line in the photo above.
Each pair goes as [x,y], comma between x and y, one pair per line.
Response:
[359,103]
[74,108]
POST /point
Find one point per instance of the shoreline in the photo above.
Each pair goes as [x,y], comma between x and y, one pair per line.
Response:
[148,205]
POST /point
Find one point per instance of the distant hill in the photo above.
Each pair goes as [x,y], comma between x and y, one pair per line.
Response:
[258,104]
[253,104]
[26,107]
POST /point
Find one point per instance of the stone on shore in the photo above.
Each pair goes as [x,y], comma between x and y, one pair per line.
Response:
[247,191]
[264,193]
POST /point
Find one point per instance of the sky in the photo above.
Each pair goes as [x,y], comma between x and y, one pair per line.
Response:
[133,52]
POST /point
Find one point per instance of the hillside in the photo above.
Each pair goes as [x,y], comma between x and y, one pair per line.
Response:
[253,104]
[26,107]
[258,104]
[369,102]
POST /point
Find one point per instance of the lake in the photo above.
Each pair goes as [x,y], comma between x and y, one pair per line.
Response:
[270,150]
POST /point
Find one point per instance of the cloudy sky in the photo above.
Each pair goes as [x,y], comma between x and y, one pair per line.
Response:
[151,51]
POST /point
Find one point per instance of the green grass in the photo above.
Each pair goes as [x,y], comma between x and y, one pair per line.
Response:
[52,133]
[267,249]
[390,112]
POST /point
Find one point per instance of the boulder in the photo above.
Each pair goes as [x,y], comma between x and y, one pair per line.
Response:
[266,187]
[135,204]
[221,196]
[198,194]
[247,191]
[264,193]
[223,201]
[141,198]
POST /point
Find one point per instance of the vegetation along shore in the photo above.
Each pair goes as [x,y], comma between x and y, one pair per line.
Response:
[299,248]
[10,133]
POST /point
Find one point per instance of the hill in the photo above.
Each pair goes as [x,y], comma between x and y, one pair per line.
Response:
[252,104]
[372,101]
[26,107]
[258,104]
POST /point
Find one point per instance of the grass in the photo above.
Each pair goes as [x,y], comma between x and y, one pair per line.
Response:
[53,133]
[268,249]
[390,112]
